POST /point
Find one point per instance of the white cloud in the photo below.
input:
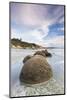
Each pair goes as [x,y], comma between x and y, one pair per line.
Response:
[37,37]
[14,33]
[57,41]
[34,36]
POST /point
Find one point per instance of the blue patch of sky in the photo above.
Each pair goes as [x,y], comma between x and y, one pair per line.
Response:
[55,30]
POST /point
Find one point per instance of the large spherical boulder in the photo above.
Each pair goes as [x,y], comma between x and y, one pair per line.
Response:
[39,53]
[35,70]
[47,54]
[26,58]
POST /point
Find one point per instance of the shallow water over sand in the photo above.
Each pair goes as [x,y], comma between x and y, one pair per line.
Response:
[54,86]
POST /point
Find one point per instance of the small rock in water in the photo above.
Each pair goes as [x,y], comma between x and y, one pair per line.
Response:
[26,58]
[40,53]
[47,54]
[44,53]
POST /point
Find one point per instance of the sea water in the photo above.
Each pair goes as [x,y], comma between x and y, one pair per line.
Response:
[54,86]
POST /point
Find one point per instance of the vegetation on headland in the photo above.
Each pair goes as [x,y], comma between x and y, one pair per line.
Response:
[18,43]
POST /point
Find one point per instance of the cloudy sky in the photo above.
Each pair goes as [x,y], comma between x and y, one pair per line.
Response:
[41,24]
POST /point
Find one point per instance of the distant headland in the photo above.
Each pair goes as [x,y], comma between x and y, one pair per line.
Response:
[18,43]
